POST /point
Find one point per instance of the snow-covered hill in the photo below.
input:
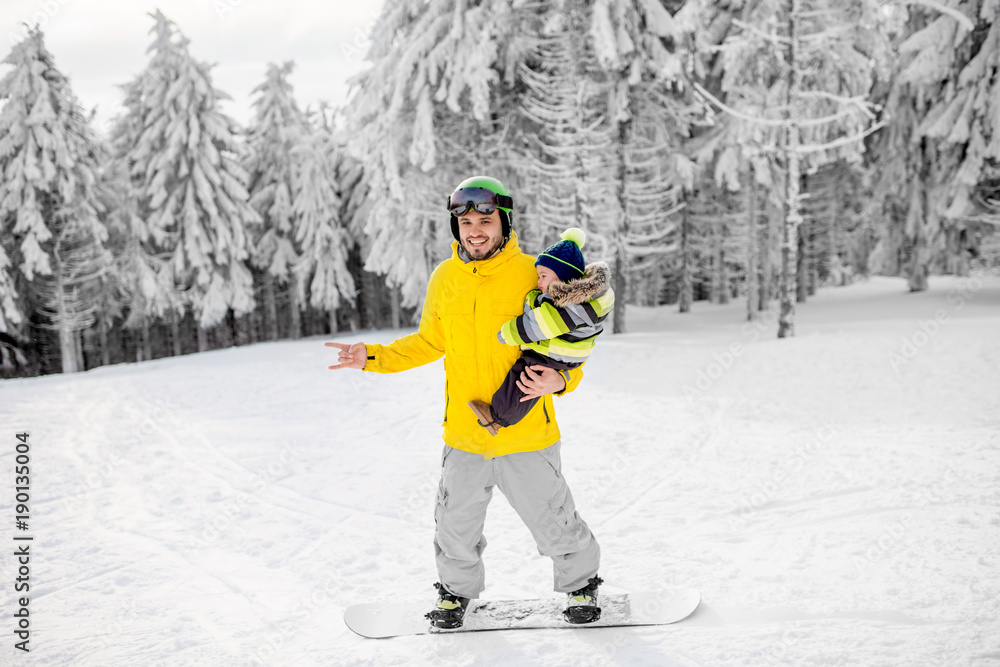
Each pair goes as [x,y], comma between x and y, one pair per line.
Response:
[835,497]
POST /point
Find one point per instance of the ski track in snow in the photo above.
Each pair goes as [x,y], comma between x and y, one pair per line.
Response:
[224,508]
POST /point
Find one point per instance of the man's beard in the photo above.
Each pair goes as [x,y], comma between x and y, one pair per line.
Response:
[484,251]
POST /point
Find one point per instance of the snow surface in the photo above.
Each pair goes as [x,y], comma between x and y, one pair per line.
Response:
[835,497]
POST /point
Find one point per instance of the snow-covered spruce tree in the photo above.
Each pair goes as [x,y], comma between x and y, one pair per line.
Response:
[188,182]
[639,46]
[798,78]
[51,236]
[942,138]
[723,159]
[564,138]
[144,274]
[322,266]
[352,190]
[278,126]
[423,117]
[446,97]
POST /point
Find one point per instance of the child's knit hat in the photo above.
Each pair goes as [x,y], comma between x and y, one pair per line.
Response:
[565,257]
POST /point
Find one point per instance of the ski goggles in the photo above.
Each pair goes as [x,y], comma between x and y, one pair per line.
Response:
[481,199]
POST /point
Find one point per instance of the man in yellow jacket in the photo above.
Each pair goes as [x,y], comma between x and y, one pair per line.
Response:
[469,297]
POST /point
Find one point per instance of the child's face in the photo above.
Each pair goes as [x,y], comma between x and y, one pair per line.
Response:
[545,276]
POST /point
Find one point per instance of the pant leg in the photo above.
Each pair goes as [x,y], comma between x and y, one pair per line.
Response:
[506,403]
[464,493]
[534,486]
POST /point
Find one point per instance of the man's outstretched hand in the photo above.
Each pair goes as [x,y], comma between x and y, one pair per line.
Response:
[537,381]
[351,356]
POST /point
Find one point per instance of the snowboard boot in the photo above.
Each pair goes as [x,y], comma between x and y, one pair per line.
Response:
[581,605]
[485,413]
[449,612]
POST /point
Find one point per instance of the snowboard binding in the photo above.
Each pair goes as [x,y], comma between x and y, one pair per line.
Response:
[449,612]
[581,604]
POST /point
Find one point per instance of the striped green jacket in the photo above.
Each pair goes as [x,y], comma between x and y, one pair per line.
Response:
[564,324]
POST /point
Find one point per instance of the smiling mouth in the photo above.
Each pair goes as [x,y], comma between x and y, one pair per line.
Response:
[478,243]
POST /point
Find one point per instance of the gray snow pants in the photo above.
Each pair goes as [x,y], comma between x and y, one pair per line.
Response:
[534,486]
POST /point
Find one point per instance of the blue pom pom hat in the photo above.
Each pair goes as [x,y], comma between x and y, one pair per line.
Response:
[565,257]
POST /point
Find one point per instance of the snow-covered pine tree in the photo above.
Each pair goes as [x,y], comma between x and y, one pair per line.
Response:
[640,47]
[798,78]
[51,235]
[190,187]
[352,190]
[942,138]
[144,275]
[278,126]
[325,242]
[422,117]
[564,137]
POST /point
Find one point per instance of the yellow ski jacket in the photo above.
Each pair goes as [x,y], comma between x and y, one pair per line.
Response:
[466,305]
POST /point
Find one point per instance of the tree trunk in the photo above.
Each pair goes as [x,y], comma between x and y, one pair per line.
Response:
[801,268]
[919,260]
[175,331]
[270,308]
[81,359]
[622,232]
[295,313]
[812,261]
[147,340]
[753,295]
[394,306]
[102,337]
[333,321]
[684,298]
[793,216]
[721,275]
[766,269]
[67,349]
[202,339]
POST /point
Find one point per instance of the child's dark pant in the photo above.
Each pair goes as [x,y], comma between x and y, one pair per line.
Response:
[507,406]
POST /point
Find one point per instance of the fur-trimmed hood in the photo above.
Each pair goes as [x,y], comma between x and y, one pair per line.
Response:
[596,280]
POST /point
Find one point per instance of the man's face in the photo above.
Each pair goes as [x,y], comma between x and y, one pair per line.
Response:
[481,235]
[545,277]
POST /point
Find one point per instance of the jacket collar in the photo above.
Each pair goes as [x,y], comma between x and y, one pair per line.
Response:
[486,267]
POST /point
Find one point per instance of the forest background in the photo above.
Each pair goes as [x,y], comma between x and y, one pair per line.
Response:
[751,149]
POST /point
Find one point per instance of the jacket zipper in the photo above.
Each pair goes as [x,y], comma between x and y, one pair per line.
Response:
[545,411]
[446,400]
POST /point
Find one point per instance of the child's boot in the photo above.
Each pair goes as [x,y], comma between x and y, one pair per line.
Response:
[485,414]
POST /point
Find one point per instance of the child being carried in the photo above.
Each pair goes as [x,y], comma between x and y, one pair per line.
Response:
[559,327]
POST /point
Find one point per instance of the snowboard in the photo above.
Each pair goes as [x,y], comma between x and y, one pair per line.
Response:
[387,619]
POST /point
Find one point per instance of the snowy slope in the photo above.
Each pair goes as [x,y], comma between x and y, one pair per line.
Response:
[835,497]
